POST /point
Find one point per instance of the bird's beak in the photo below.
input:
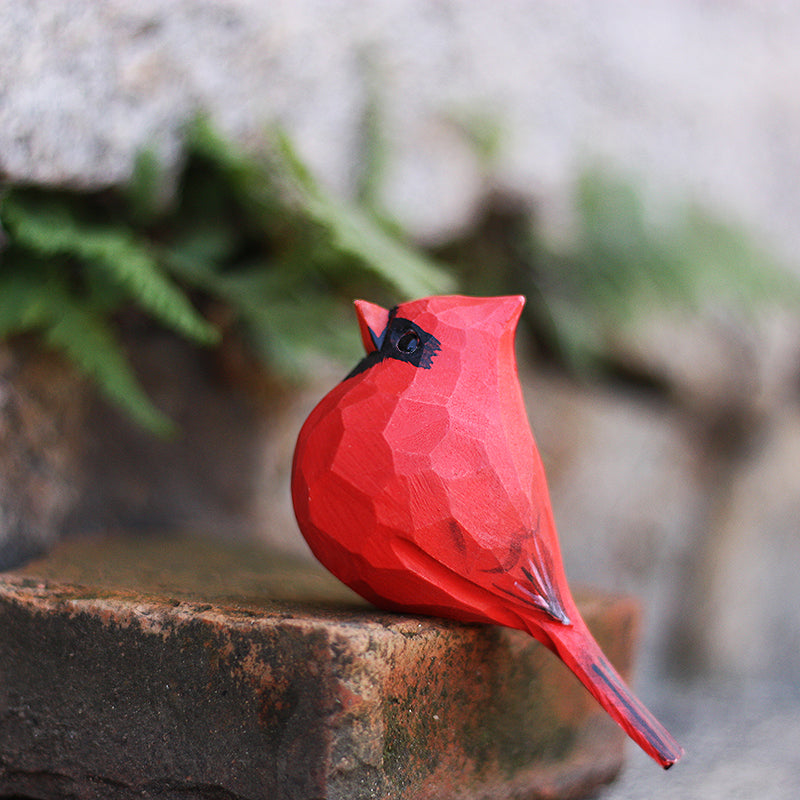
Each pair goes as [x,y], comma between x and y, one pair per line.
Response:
[373,321]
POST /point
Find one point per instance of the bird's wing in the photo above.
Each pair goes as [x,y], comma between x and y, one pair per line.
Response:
[535,580]
[519,577]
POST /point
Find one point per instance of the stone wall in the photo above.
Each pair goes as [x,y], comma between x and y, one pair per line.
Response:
[694,97]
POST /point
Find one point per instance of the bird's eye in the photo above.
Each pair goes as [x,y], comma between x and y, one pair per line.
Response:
[408,342]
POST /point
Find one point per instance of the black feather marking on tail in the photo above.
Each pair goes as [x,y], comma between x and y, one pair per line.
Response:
[654,738]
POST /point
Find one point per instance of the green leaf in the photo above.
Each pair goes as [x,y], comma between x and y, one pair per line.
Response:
[50,229]
[625,262]
[39,299]
[294,333]
[144,191]
[351,233]
[258,235]
[284,195]
[88,341]
[25,301]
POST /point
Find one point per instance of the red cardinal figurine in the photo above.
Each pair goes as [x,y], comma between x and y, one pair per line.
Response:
[416,481]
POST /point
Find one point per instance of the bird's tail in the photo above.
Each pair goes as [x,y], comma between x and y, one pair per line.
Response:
[575,645]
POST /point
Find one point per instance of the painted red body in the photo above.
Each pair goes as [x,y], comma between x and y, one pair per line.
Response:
[417,482]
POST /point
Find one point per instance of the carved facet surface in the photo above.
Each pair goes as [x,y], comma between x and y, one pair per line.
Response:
[417,482]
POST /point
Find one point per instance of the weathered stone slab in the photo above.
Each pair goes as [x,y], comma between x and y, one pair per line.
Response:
[176,668]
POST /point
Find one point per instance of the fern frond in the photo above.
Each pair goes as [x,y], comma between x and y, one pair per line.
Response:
[354,235]
[345,237]
[624,264]
[86,339]
[626,260]
[293,333]
[25,300]
[144,192]
[49,229]
[38,299]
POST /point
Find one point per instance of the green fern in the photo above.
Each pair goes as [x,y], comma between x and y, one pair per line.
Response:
[257,234]
[622,265]
[39,299]
[309,255]
[86,337]
[25,302]
[343,236]
[49,228]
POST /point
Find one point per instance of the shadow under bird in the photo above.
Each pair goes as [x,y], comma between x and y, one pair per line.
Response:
[417,482]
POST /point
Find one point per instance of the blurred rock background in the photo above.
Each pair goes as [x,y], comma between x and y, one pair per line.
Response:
[671,432]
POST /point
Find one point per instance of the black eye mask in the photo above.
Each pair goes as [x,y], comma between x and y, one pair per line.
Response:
[403,340]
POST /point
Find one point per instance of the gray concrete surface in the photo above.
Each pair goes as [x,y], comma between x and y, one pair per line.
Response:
[742,742]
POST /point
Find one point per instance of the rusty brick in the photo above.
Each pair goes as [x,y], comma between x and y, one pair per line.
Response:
[176,668]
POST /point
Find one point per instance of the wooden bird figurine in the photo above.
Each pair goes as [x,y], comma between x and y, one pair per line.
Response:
[416,481]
